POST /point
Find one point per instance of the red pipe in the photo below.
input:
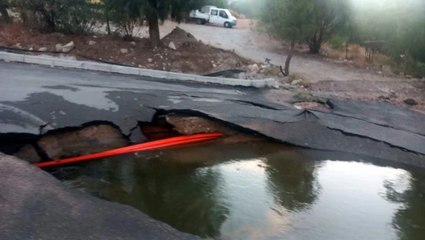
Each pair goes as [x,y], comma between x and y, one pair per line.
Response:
[163,143]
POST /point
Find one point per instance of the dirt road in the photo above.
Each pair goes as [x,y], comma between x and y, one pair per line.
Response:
[322,77]
[258,46]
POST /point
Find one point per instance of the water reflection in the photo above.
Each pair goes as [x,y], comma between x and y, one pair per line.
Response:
[292,180]
[171,186]
[262,191]
[409,190]
[182,197]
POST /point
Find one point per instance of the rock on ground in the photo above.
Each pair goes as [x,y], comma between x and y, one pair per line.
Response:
[58,47]
[68,47]
[172,46]
[411,102]
[123,50]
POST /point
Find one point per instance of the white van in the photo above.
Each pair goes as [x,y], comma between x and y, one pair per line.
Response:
[214,15]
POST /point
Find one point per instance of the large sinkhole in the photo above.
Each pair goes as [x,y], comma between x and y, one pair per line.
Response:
[240,186]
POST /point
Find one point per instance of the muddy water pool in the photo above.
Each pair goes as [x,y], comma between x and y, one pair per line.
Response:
[262,190]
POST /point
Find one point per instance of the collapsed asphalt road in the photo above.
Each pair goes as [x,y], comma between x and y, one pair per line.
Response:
[34,100]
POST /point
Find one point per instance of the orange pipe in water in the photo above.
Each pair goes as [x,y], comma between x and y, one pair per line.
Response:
[163,143]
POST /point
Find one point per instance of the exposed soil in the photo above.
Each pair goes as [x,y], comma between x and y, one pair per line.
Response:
[190,55]
[323,76]
[98,137]
[192,125]
[73,142]
[403,93]
[395,92]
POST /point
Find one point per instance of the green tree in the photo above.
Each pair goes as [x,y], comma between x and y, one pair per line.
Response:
[401,26]
[248,8]
[217,3]
[328,16]
[289,20]
[406,41]
[4,5]
[315,21]
[57,15]
[156,11]
[126,13]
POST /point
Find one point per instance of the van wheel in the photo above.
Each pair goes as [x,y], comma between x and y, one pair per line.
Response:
[227,25]
[199,21]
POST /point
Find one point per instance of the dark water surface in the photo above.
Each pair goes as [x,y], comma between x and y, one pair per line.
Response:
[262,191]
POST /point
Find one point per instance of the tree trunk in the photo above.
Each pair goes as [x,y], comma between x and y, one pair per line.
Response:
[4,14]
[314,46]
[346,50]
[289,57]
[153,23]
[48,23]
[285,72]
[108,27]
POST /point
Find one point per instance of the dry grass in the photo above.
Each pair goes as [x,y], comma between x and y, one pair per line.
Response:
[356,55]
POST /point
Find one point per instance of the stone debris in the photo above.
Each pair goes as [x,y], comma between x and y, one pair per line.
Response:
[64,48]
[171,45]
[58,47]
[123,50]
[296,82]
[411,102]
[68,47]
[253,68]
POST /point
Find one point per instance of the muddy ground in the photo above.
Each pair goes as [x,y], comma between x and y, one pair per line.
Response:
[200,51]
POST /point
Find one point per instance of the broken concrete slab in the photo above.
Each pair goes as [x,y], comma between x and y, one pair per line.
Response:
[58,212]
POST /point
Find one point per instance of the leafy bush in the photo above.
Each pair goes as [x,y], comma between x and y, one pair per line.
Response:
[401,25]
[247,8]
[311,21]
[217,3]
[337,42]
[126,14]
[57,15]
